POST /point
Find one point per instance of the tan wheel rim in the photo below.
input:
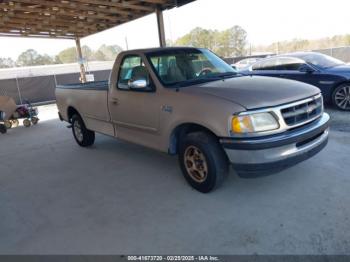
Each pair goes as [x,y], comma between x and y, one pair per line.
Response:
[196,164]
[26,123]
[8,124]
[78,132]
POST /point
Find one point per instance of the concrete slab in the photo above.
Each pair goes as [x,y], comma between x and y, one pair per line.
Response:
[119,198]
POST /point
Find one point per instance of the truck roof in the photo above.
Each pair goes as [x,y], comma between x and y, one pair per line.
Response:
[160,49]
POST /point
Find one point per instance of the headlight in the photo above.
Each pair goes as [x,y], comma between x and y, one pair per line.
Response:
[252,123]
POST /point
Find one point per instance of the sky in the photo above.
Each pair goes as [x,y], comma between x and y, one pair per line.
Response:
[265,21]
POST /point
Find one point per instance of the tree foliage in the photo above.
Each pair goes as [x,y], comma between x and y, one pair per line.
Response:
[227,43]
[107,52]
[104,53]
[6,63]
[304,44]
[70,55]
[31,57]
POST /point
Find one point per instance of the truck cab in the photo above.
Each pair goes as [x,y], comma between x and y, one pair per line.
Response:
[188,102]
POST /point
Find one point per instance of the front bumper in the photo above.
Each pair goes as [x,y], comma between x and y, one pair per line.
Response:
[269,154]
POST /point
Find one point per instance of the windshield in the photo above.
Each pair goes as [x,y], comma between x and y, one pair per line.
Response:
[181,67]
[321,60]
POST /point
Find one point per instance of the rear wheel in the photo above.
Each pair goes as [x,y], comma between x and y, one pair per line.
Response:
[27,123]
[341,97]
[8,124]
[203,161]
[82,135]
[35,120]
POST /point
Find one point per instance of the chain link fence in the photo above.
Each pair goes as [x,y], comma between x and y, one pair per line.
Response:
[342,53]
[41,89]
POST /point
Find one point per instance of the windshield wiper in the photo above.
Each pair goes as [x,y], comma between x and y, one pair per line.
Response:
[225,75]
[214,77]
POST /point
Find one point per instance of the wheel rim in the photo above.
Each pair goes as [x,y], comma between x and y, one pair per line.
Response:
[8,124]
[26,123]
[35,120]
[196,164]
[342,97]
[77,131]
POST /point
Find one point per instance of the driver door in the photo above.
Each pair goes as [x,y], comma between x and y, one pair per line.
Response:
[134,110]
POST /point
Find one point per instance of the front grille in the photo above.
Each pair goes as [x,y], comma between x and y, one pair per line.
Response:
[303,112]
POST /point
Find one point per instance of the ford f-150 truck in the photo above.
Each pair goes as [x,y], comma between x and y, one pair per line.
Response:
[189,102]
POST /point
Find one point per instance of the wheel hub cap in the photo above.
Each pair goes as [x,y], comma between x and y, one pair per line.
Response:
[196,164]
[77,131]
[342,97]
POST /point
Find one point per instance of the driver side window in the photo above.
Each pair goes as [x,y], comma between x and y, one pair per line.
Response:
[132,69]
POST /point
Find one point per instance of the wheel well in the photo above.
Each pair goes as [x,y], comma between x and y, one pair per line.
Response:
[71,112]
[339,84]
[181,131]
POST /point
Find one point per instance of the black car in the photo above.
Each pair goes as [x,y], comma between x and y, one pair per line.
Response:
[330,75]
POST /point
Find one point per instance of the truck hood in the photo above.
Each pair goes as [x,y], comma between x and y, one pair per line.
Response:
[254,92]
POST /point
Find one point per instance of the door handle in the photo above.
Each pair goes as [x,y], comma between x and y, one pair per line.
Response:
[115,101]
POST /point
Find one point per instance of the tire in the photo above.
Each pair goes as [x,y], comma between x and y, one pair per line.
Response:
[8,124]
[27,123]
[203,162]
[3,129]
[82,135]
[35,120]
[341,97]
[15,123]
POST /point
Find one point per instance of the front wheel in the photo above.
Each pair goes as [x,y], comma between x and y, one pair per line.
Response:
[341,97]
[8,124]
[203,161]
[82,135]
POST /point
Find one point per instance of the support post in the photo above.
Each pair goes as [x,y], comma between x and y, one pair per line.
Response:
[80,61]
[19,91]
[161,30]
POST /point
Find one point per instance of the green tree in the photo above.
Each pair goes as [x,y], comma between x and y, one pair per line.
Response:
[28,58]
[45,60]
[227,43]
[108,52]
[6,63]
[199,37]
[31,57]
[99,56]
[70,55]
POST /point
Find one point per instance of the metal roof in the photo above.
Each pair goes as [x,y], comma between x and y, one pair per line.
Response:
[71,19]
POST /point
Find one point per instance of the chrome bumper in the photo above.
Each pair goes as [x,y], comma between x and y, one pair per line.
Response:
[278,151]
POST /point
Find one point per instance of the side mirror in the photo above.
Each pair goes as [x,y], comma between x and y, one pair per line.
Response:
[306,69]
[139,84]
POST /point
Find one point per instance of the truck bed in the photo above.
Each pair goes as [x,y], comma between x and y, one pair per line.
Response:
[90,100]
[96,85]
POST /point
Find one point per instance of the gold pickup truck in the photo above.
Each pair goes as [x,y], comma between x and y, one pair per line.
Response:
[188,102]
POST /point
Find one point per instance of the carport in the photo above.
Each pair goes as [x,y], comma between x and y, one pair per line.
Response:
[75,19]
[120,198]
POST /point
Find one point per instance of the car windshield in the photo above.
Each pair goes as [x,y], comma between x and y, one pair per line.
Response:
[321,60]
[182,67]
